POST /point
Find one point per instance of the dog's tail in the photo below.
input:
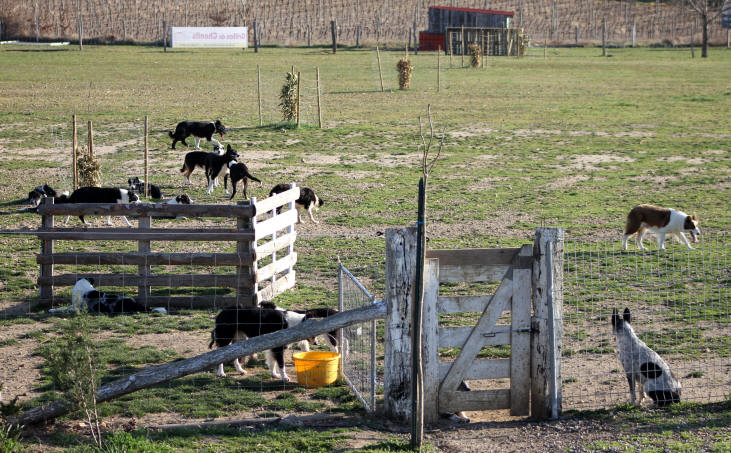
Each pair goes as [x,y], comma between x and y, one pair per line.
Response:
[185,168]
[213,338]
[248,175]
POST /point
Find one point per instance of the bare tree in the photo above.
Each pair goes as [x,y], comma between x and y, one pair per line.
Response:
[707,10]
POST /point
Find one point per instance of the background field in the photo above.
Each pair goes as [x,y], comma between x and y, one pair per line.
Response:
[574,140]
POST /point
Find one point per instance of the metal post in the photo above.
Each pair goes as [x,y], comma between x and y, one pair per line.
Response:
[91,140]
[299,92]
[147,175]
[462,48]
[256,37]
[417,374]
[258,91]
[74,147]
[439,68]
[319,106]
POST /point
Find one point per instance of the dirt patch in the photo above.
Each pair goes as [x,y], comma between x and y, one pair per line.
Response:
[590,161]
[691,161]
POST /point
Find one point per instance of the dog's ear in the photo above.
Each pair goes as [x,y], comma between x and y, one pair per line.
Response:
[228,147]
[627,316]
[90,280]
[218,122]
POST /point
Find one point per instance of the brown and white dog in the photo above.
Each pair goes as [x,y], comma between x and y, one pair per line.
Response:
[660,222]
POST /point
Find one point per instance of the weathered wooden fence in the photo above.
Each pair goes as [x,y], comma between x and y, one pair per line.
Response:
[259,233]
[530,290]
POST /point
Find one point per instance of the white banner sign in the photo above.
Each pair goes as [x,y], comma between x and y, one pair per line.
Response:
[210,37]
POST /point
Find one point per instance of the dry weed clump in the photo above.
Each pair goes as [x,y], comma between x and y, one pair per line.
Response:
[288,97]
[475,55]
[90,174]
[405,69]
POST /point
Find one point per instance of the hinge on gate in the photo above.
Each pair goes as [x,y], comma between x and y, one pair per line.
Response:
[488,334]
[523,330]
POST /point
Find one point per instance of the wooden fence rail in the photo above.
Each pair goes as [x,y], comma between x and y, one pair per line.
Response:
[256,221]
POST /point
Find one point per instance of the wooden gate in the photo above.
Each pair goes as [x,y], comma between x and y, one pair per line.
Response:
[512,267]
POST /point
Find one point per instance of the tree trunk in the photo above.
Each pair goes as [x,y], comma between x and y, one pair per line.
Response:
[704,52]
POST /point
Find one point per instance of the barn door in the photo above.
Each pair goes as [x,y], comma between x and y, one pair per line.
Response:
[512,268]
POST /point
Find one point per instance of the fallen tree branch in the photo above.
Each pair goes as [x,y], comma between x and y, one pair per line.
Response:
[163,373]
[290,420]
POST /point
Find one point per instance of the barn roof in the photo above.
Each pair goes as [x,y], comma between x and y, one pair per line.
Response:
[473,10]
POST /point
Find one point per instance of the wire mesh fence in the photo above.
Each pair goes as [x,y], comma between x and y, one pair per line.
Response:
[679,300]
[359,341]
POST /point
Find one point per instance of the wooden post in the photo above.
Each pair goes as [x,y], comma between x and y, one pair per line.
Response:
[430,341]
[692,32]
[243,248]
[380,73]
[164,34]
[604,37]
[258,91]
[333,32]
[91,140]
[545,45]
[462,47]
[547,324]
[319,104]
[309,35]
[81,31]
[299,93]
[143,223]
[256,39]
[416,44]
[400,274]
[439,68]
[74,150]
[147,174]
[449,38]
[46,291]
[357,37]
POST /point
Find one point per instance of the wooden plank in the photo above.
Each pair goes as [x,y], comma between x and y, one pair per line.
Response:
[46,291]
[281,285]
[281,265]
[480,369]
[166,372]
[174,280]
[430,341]
[268,204]
[471,273]
[494,309]
[249,271]
[520,338]
[151,259]
[149,209]
[473,256]
[279,222]
[144,223]
[462,304]
[476,400]
[455,337]
[161,234]
[279,243]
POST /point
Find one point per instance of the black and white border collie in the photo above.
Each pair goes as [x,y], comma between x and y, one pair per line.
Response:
[137,185]
[239,323]
[239,172]
[39,193]
[307,200]
[642,365]
[197,159]
[660,222]
[218,166]
[85,297]
[198,129]
[180,199]
[103,195]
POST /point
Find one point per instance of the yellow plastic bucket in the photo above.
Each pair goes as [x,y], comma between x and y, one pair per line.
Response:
[316,368]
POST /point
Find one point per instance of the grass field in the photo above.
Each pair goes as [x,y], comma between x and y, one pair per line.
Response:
[574,140]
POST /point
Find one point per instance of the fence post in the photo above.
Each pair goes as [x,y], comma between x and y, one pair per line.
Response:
[462,48]
[547,323]
[91,140]
[256,38]
[357,36]
[247,247]
[46,290]
[430,341]
[604,37]
[74,146]
[380,73]
[144,223]
[634,32]
[309,35]
[333,32]
[520,336]
[147,174]
[439,68]
[400,275]
[81,31]
[299,93]
[258,91]
[164,34]
[576,35]
[319,105]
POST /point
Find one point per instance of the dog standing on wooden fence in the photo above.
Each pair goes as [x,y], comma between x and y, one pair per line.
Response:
[643,366]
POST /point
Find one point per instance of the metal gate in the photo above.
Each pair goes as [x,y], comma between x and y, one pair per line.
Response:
[513,269]
[358,341]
